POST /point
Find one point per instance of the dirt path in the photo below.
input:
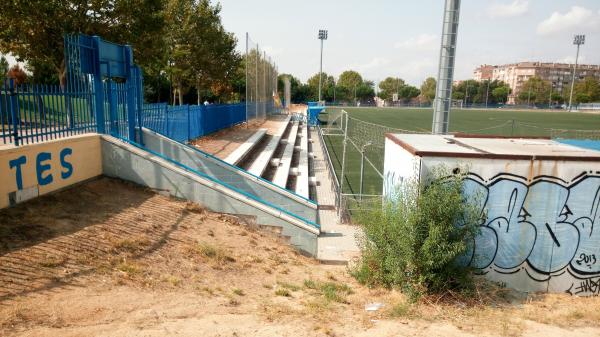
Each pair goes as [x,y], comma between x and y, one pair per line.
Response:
[108,258]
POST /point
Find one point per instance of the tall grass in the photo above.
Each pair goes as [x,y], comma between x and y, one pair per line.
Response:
[413,240]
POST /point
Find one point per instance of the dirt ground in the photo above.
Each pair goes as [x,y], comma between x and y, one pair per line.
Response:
[109,258]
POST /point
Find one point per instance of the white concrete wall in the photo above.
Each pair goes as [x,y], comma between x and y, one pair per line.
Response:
[542,229]
[399,166]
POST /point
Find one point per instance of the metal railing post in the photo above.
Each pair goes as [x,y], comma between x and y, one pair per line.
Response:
[343,166]
[14,110]
[188,124]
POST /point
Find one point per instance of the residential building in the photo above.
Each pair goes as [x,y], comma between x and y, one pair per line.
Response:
[484,72]
[516,74]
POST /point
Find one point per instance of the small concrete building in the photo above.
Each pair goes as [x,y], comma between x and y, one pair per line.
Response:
[540,198]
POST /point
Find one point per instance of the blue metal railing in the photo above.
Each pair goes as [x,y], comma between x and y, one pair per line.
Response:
[185,122]
[31,113]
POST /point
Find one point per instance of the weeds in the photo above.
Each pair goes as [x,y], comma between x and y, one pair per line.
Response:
[415,240]
[283,292]
[331,291]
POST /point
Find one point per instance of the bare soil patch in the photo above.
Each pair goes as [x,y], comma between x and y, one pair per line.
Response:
[109,258]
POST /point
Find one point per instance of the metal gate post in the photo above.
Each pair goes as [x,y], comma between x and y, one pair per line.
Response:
[188,124]
[98,88]
[14,110]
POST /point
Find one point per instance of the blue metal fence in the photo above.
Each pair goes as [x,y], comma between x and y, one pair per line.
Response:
[31,113]
[185,122]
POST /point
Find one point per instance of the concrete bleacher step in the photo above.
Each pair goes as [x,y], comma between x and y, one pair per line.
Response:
[302,169]
[260,164]
[283,170]
[243,150]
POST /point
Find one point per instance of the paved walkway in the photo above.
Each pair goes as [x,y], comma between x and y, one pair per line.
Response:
[337,243]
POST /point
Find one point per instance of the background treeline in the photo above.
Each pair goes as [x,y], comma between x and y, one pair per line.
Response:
[186,54]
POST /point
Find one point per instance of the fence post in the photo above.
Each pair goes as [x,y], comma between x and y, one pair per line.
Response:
[98,90]
[167,120]
[340,210]
[14,110]
[188,124]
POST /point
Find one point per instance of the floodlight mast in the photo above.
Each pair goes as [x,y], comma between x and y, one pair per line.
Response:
[443,91]
[578,40]
[322,36]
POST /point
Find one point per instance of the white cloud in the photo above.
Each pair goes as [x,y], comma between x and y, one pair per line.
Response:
[508,10]
[423,42]
[374,63]
[576,18]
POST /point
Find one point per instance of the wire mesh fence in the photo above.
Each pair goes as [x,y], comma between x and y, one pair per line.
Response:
[261,83]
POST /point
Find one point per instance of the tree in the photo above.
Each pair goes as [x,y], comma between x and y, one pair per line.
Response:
[534,91]
[3,66]
[500,93]
[33,30]
[428,90]
[365,92]
[349,79]
[327,88]
[587,91]
[389,87]
[17,73]
[409,92]
[214,58]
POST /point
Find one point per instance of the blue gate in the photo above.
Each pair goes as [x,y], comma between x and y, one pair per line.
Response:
[105,74]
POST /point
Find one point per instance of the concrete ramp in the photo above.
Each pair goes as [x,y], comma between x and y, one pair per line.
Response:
[230,175]
[146,167]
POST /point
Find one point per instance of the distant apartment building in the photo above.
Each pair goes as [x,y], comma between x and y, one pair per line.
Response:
[516,74]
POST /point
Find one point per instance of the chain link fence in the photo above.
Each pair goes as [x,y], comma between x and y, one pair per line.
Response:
[262,98]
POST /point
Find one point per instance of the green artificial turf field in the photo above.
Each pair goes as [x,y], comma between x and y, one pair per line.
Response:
[503,122]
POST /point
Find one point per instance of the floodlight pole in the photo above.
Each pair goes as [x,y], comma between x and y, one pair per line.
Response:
[322,36]
[443,91]
[578,41]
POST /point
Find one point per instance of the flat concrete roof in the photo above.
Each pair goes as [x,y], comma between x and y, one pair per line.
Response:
[477,146]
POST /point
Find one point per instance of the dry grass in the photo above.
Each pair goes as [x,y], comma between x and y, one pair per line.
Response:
[185,262]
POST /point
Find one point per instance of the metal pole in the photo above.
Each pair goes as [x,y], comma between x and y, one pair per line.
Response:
[487,94]
[573,80]
[443,92]
[247,79]
[265,82]
[256,80]
[344,115]
[362,171]
[321,71]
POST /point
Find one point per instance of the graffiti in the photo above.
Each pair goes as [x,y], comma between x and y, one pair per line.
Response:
[43,167]
[544,226]
[585,287]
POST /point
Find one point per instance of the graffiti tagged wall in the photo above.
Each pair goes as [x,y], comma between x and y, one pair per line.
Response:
[540,234]
[32,170]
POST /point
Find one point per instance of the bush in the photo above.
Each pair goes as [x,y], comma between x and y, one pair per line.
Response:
[413,240]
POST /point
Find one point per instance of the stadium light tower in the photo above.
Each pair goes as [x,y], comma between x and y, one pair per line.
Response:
[578,40]
[322,36]
[443,90]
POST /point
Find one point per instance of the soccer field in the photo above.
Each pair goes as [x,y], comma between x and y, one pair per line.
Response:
[501,122]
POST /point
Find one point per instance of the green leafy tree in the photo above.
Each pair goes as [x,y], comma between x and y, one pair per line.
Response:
[349,79]
[328,82]
[587,91]
[534,91]
[389,87]
[428,90]
[365,92]
[409,92]
[500,93]
[33,30]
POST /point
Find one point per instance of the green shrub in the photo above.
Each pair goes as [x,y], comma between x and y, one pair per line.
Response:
[412,240]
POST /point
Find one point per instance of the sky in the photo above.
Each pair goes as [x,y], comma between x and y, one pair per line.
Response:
[381,38]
